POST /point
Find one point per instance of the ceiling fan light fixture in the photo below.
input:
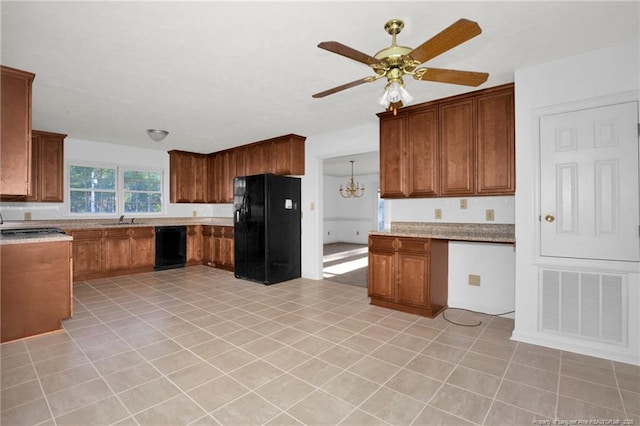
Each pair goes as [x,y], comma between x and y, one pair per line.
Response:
[157,135]
[393,94]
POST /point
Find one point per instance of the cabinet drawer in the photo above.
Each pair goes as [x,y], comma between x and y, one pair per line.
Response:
[414,244]
[85,234]
[142,232]
[381,243]
[116,233]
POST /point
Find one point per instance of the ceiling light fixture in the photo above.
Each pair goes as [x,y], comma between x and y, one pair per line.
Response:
[353,189]
[394,96]
[157,135]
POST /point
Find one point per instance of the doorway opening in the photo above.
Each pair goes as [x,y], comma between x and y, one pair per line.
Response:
[347,221]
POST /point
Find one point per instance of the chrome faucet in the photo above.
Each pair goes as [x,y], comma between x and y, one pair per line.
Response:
[122,219]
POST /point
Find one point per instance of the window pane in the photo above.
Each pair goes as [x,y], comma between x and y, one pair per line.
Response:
[85,177]
[142,191]
[93,202]
[142,181]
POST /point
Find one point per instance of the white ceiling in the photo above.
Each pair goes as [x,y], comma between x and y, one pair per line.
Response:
[222,74]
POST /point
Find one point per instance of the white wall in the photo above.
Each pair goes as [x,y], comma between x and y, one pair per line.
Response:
[349,220]
[579,79]
[346,142]
[89,152]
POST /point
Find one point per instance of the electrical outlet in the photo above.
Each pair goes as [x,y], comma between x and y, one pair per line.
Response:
[357,232]
[328,232]
[490,215]
[195,213]
[463,203]
[312,206]
[438,213]
[474,280]
[27,215]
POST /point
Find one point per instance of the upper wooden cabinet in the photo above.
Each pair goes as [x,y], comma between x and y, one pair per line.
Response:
[47,169]
[457,134]
[459,146]
[15,133]
[188,177]
[199,178]
[495,143]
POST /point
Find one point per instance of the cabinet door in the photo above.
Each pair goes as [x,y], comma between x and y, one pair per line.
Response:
[214,174]
[86,252]
[413,276]
[181,182]
[393,179]
[288,153]
[117,249]
[194,245]
[457,148]
[217,235]
[199,178]
[50,165]
[15,132]
[228,160]
[226,249]
[142,247]
[382,282]
[207,245]
[422,152]
[495,143]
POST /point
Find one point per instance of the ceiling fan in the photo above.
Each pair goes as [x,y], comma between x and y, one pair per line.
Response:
[395,61]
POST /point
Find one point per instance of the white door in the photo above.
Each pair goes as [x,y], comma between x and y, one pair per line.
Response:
[589,183]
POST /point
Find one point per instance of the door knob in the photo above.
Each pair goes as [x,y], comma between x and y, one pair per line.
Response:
[549,218]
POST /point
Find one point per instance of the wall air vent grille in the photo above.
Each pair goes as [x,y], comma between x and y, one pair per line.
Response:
[585,304]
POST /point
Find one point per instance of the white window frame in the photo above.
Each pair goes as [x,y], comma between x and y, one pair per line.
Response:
[119,191]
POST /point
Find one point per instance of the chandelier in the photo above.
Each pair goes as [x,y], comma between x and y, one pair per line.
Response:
[353,189]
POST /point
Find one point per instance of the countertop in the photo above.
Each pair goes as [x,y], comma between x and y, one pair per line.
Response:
[473,232]
[70,224]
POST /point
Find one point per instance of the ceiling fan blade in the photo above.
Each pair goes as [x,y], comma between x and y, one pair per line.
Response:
[343,87]
[455,34]
[348,52]
[465,78]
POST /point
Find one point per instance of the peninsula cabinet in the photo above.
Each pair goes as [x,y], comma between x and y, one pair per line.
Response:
[15,132]
[458,146]
[408,274]
[36,295]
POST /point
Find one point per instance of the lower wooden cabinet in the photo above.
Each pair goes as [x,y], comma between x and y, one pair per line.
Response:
[408,274]
[106,252]
[194,245]
[217,246]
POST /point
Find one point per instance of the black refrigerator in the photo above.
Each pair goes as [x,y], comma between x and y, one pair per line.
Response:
[267,232]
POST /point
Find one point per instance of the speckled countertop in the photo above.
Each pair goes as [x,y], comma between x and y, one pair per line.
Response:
[477,232]
[97,223]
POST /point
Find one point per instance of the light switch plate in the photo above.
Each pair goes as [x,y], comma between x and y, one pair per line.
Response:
[438,213]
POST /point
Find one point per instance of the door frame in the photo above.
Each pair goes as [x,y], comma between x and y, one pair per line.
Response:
[582,264]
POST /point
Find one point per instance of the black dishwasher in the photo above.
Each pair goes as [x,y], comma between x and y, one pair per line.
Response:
[171,247]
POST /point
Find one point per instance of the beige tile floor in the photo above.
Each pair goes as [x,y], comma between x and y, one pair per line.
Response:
[195,346]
